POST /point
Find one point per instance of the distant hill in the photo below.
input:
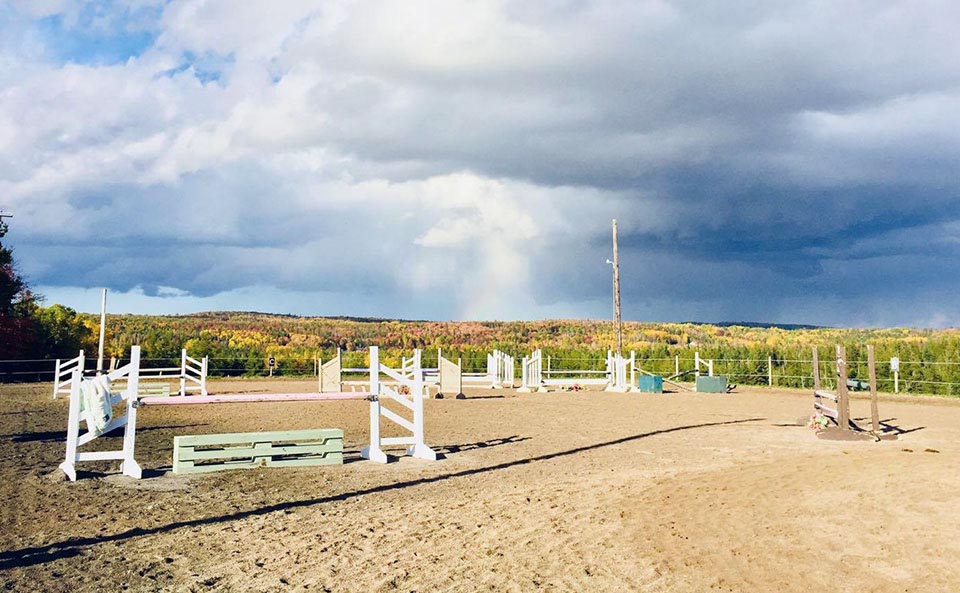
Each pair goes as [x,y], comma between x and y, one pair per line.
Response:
[786,326]
[229,314]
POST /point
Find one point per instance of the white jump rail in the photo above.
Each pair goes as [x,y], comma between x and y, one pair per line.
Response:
[446,378]
[622,372]
[500,373]
[531,373]
[63,374]
[701,362]
[192,374]
[378,396]
[430,376]
[619,376]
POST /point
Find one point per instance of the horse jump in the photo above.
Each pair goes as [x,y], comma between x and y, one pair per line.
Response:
[100,424]
[500,372]
[620,374]
[191,372]
[836,406]
[447,377]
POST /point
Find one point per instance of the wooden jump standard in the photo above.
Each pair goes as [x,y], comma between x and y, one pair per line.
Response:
[99,418]
[840,412]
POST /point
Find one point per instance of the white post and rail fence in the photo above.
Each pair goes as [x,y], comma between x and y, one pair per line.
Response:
[894,375]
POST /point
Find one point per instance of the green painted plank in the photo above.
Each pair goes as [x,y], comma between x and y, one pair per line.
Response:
[188,467]
[331,446]
[329,459]
[252,450]
[153,389]
[650,384]
[711,384]
[254,437]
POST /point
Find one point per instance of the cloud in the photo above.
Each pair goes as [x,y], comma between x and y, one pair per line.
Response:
[788,162]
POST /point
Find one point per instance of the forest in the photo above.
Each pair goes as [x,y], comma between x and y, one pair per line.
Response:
[241,343]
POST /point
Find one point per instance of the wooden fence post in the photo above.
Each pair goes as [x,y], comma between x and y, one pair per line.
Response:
[816,370]
[872,366]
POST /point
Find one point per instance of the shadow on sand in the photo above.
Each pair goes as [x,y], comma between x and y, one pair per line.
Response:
[74,546]
[61,435]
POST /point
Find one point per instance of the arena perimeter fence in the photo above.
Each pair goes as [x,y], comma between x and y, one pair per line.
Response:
[912,376]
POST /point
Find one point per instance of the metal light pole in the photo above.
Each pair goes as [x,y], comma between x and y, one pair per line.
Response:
[616,289]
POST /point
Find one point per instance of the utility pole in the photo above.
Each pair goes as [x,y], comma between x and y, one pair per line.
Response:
[616,289]
[3,225]
[103,325]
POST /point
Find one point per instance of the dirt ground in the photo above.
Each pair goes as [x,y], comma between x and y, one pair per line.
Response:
[536,492]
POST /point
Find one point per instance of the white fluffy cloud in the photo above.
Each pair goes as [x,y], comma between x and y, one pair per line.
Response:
[463,159]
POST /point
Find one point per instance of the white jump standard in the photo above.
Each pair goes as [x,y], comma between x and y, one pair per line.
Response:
[620,374]
[500,372]
[63,374]
[96,401]
[191,372]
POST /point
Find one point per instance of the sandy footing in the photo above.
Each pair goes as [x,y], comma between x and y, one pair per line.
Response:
[536,492]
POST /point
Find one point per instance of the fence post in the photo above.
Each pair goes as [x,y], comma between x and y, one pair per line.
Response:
[770,370]
[183,371]
[816,370]
[676,365]
[872,368]
[203,378]
[56,379]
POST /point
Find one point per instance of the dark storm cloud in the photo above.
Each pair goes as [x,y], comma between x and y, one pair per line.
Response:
[780,161]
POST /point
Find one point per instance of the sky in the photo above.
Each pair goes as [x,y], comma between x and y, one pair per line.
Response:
[776,161]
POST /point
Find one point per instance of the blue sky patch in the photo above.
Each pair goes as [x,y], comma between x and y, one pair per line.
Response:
[100,35]
[207,68]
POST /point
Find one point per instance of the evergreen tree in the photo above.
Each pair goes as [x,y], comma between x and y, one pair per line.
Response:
[18,332]
[11,284]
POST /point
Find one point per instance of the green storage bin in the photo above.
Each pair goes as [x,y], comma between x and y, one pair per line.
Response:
[711,384]
[650,384]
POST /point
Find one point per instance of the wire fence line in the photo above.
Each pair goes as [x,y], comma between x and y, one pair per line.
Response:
[913,376]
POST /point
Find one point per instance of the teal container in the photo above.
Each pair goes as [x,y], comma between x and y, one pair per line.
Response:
[650,384]
[711,384]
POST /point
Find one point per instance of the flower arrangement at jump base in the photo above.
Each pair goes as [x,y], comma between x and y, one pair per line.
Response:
[574,387]
[819,421]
